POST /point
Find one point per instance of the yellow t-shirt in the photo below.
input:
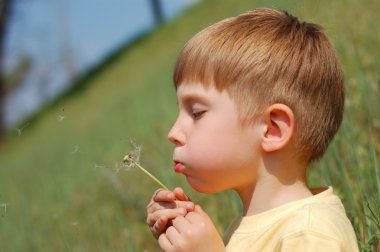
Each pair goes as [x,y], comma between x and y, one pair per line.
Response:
[317,223]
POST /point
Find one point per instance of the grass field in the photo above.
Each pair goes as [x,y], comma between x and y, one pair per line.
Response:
[59,185]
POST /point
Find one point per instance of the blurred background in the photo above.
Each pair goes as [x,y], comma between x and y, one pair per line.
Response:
[47,44]
[80,80]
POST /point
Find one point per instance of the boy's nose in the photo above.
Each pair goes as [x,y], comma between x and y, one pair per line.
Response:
[175,135]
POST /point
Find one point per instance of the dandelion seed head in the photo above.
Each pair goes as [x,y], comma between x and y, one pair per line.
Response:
[132,160]
[133,156]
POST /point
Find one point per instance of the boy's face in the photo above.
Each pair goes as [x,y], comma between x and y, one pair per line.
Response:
[213,149]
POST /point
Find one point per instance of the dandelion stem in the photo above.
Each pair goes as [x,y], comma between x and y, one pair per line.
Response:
[151,176]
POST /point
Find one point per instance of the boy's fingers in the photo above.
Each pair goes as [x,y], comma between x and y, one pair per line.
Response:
[197,215]
[164,242]
[164,215]
[163,195]
[159,227]
[165,222]
[181,224]
[157,206]
[188,205]
[180,195]
[173,235]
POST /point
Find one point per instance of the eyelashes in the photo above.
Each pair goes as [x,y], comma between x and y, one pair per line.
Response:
[197,114]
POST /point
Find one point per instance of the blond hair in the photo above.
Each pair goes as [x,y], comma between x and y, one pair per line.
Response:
[266,56]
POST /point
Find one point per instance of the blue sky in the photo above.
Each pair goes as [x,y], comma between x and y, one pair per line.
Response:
[83,32]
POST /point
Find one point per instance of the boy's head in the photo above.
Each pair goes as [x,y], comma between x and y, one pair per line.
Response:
[264,57]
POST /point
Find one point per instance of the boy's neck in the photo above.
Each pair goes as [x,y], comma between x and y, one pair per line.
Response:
[278,183]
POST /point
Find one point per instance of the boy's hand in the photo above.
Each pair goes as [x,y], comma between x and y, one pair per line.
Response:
[164,207]
[193,232]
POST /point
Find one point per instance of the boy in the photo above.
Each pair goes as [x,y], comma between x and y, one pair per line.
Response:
[260,97]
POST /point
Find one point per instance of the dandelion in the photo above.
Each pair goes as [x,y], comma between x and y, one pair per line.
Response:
[132,159]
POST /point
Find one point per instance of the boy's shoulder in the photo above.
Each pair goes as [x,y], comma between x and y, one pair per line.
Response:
[318,220]
[321,215]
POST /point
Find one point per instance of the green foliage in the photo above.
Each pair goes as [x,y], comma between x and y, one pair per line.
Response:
[59,190]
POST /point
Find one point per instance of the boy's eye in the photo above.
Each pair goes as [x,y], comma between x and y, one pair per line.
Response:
[197,114]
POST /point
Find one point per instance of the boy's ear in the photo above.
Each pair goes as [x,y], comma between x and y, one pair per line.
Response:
[279,127]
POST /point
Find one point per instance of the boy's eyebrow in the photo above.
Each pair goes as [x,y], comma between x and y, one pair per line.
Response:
[193,97]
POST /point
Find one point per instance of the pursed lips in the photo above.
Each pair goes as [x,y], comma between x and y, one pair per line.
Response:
[179,167]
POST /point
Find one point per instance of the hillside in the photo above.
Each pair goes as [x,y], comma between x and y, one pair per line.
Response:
[60,188]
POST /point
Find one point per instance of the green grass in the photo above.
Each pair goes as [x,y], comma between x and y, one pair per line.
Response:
[58,200]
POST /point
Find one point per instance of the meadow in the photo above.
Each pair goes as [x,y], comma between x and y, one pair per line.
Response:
[61,186]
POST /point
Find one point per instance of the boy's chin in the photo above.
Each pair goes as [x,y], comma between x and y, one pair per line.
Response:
[202,186]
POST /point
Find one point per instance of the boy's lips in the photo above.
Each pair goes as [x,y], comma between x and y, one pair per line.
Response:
[178,167]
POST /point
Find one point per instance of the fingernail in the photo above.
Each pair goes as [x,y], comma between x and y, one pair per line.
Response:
[171,195]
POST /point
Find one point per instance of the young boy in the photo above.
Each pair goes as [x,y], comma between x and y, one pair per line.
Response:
[260,97]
